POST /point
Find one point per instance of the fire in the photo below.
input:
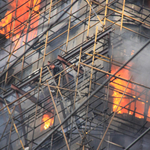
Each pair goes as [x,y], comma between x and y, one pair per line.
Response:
[21,14]
[119,86]
[47,121]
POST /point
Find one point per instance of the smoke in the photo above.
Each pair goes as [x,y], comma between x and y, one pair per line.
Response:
[130,44]
[138,69]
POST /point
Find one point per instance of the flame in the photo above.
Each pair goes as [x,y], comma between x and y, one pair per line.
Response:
[47,122]
[119,86]
[21,14]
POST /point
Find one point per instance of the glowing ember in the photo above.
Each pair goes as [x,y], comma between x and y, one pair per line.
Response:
[47,122]
[21,14]
[119,86]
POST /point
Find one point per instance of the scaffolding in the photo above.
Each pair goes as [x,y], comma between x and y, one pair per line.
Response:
[84,64]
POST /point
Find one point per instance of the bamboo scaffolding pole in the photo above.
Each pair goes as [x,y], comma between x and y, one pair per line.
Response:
[122,14]
[106,7]
[51,2]
[35,116]
[89,21]
[69,26]
[10,137]
[95,13]
[9,112]
[58,116]
[76,88]
[93,58]
[91,76]
[58,88]
[58,85]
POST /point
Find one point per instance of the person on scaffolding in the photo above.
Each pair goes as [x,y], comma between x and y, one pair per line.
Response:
[55,70]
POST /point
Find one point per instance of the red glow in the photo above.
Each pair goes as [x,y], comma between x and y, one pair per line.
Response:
[117,84]
[48,121]
[22,15]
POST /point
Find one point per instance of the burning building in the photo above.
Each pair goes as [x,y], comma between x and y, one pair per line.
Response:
[74,74]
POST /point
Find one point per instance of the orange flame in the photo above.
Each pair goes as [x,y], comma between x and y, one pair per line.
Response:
[18,18]
[47,122]
[120,85]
